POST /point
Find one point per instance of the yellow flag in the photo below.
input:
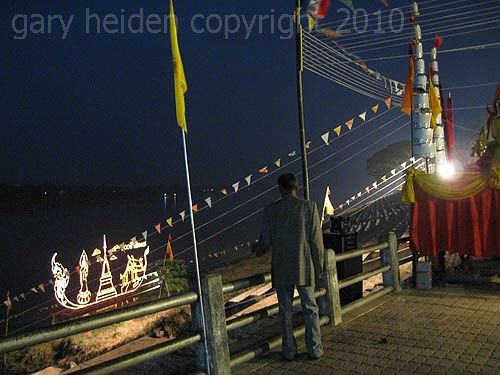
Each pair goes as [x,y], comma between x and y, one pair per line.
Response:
[8,302]
[180,82]
[328,206]
[434,104]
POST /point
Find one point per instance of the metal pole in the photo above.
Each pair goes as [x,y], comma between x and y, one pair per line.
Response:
[195,246]
[300,100]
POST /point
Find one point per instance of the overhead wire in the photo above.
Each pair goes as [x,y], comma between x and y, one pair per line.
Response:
[422,9]
[348,37]
[311,180]
[440,30]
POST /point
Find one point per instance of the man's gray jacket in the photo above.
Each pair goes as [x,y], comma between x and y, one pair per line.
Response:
[292,231]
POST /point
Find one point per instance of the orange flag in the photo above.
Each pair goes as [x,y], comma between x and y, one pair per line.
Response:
[41,287]
[170,252]
[406,106]
[264,170]
[388,102]
[158,227]
[195,208]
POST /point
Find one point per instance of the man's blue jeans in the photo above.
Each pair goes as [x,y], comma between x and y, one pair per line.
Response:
[311,319]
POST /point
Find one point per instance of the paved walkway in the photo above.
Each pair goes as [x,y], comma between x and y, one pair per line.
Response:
[449,330]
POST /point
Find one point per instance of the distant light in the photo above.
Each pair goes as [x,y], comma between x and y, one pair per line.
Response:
[446,170]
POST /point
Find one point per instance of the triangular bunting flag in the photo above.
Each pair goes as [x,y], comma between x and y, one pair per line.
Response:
[170,238]
[41,287]
[22,296]
[158,227]
[121,246]
[145,235]
[348,201]
[264,170]
[51,282]
[384,178]
[393,172]
[278,163]
[375,185]
[341,206]
[133,240]
[353,197]
[16,299]
[236,186]
[350,123]
[182,215]
[375,108]
[367,189]
[363,116]
[403,165]
[209,202]
[325,137]
[338,129]
[359,194]
[412,160]
[292,154]
[34,290]
[170,222]
[385,2]
[308,144]
[195,208]
[248,179]
[388,102]
[224,191]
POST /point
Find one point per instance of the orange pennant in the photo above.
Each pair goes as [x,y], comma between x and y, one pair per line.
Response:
[195,208]
[341,206]
[170,252]
[264,170]
[170,222]
[388,102]
[158,227]
[308,144]
[41,287]
[350,123]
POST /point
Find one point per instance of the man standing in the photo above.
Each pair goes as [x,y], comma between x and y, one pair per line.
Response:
[292,230]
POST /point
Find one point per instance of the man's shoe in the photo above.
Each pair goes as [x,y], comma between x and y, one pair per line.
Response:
[316,356]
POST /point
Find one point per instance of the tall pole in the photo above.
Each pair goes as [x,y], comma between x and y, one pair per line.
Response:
[195,247]
[300,100]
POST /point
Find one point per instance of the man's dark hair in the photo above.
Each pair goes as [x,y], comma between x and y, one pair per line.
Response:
[287,182]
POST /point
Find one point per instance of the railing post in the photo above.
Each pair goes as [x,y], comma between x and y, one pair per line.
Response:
[389,256]
[331,304]
[215,319]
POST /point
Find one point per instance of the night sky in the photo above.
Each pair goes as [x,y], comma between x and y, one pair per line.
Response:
[99,108]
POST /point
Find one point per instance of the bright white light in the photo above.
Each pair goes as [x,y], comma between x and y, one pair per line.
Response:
[446,170]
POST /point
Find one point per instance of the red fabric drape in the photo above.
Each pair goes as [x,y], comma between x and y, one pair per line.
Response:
[467,226]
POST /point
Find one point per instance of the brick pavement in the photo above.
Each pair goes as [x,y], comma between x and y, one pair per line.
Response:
[449,330]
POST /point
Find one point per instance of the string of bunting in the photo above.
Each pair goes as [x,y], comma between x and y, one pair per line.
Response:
[225,192]
[374,186]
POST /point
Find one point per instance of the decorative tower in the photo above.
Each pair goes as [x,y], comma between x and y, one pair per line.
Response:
[439,131]
[106,288]
[422,133]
